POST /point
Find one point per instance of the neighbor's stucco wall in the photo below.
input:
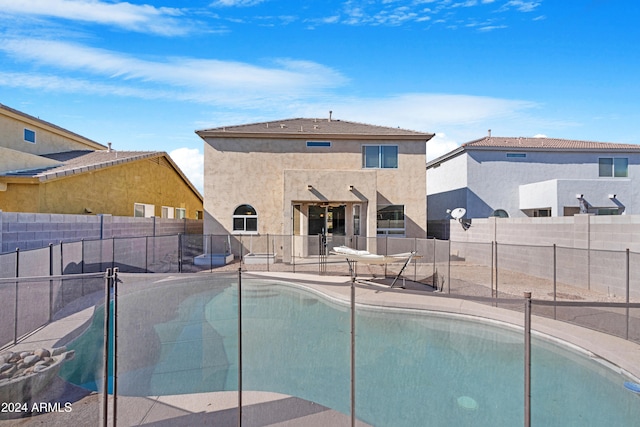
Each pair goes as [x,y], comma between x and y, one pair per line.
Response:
[112,190]
[493,180]
[48,139]
[252,171]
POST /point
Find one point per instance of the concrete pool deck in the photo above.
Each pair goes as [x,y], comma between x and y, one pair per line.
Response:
[272,409]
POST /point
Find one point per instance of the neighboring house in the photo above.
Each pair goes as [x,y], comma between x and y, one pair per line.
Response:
[308,176]
[534,177]
[48,169]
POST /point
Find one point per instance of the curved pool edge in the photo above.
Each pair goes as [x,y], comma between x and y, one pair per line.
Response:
[617,353]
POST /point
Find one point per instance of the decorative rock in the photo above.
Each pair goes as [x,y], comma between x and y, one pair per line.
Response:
[5,367]
[42,353]
[31,360]
[25,354]
[58,351]
[39,368]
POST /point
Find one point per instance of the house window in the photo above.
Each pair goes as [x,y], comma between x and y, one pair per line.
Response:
[380,156]
[167,212]
[318,143]
[245,220]
[616,167]
[199,215]
[181,213]
[30,136]
[542,212]
[390,220]
[516,155]
[141,210]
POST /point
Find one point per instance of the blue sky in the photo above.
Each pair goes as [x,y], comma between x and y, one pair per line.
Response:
[145,75]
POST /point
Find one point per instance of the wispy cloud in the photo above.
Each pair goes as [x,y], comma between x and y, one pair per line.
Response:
[236,3]
[139,18]
[204,80]
[520,5]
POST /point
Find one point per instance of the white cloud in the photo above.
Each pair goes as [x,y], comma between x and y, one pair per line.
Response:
[425,111]
[191,162]
[240,3]
[440,145]
[521,6]
[202,80]
[140,18]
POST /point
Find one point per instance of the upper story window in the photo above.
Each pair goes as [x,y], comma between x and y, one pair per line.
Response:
[245,220]
[181,213]
[617,167]
[380,156]
[516,155]
[313,144]
[30,135]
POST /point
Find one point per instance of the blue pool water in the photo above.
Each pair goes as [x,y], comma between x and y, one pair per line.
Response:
[412,368]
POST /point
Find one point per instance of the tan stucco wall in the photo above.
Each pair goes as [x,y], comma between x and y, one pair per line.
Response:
[112,190]
[48,139]
[243,170]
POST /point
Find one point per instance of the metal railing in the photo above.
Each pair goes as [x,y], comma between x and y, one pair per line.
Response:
[158,327]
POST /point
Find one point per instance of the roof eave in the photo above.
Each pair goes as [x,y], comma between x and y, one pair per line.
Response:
[304,135]
[445,157]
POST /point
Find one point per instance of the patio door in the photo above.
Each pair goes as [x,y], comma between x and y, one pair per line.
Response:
[329,220]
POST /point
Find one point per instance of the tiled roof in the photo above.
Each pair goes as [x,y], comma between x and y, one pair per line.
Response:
[547,144]
[76,162]
[83,161]
[310,127]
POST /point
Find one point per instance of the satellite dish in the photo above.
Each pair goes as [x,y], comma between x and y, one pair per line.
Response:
[458,213]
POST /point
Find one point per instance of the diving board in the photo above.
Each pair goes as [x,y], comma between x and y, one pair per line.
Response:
[353,255]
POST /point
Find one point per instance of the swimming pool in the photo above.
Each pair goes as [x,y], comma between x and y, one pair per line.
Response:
[412,368]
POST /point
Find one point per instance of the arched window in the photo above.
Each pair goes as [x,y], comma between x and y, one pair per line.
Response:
[500,213]
[245,219]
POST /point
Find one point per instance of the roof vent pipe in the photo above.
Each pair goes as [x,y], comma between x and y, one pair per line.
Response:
[330,113]
[108,147]
[489,131]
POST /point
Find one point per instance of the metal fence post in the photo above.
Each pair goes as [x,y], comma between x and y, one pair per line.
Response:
[105,362]
[146,254]
[268,252]
[626,335]
[434,281]
[180,252]
[353,350]
[527,359]
[115,346]
[497,275]
[239,346]
[493,243]
[15,320]
[449,269]
[555,281]
[50,281]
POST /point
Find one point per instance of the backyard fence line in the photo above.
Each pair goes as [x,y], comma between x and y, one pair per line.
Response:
[465,269]
[107,283]
[30,303]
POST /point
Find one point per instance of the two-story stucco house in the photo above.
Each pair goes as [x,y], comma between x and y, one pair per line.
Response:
[534,177]
[308,176]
